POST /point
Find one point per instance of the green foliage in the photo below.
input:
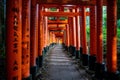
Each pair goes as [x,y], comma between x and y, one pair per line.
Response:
[105,37]
[88,33]
[118,8]
[63,18]
[118,23]
[53,9]
[104,16]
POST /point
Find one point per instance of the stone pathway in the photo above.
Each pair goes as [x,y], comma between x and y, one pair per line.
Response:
[61,67]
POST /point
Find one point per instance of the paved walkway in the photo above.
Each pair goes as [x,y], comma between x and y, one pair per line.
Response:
[62,67]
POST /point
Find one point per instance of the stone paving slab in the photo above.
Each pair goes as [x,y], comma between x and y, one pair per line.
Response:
[62,67]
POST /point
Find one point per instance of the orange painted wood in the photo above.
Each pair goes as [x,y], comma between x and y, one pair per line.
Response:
[99,32]
[77,31]
[67,35]
[84,41]
[56,25]
[57,6]
[68,14]
[112,36]
[57,28]
[33,34]
[71,30]
[74,32]
[14,40]
[93,33]
[36,29]
[57,22]
[39,32]
[41,35]
[79,2]
[25,38]
[61,9]
[68,41]
[46,31]
[70,35]
[81,33]
[50,39]
[54,38]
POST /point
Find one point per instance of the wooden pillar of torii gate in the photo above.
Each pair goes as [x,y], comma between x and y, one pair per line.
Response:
[84,41]
[33,38]
[45,34]
[40,37]
[77,34]
[26,40]
[99,68]
[92,57]
[74,34]
[67,36]
[14,39]
[112,72]
[70,35]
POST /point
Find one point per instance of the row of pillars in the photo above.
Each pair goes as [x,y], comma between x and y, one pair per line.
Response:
[76,42]
[26,39]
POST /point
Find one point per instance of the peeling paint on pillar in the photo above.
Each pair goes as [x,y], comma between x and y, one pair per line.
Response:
[14,39]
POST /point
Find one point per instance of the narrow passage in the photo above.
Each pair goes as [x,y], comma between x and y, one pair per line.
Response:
[61,67]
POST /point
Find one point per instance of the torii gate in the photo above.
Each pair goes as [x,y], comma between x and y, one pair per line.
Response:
[22,39]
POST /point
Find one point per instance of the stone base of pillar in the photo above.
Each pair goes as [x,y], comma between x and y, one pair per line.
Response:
[40,61]
[92,60]
[99,70]
[70,49]
[81,52]
[28,78]
[65,48]
[112,76]
[84,59]
[37,61]
[33,71]
[44,51]
[46,48]
[73,51]
[77,55]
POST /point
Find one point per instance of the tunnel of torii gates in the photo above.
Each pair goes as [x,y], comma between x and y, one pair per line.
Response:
[29,35]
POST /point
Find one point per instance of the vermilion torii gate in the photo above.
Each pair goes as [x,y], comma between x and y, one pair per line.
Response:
[28,35]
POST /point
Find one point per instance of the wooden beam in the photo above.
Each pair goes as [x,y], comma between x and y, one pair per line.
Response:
[56,28]
[73,2]
[68,14]
[60,2]
[58,6]
[55,25]
[57,22]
